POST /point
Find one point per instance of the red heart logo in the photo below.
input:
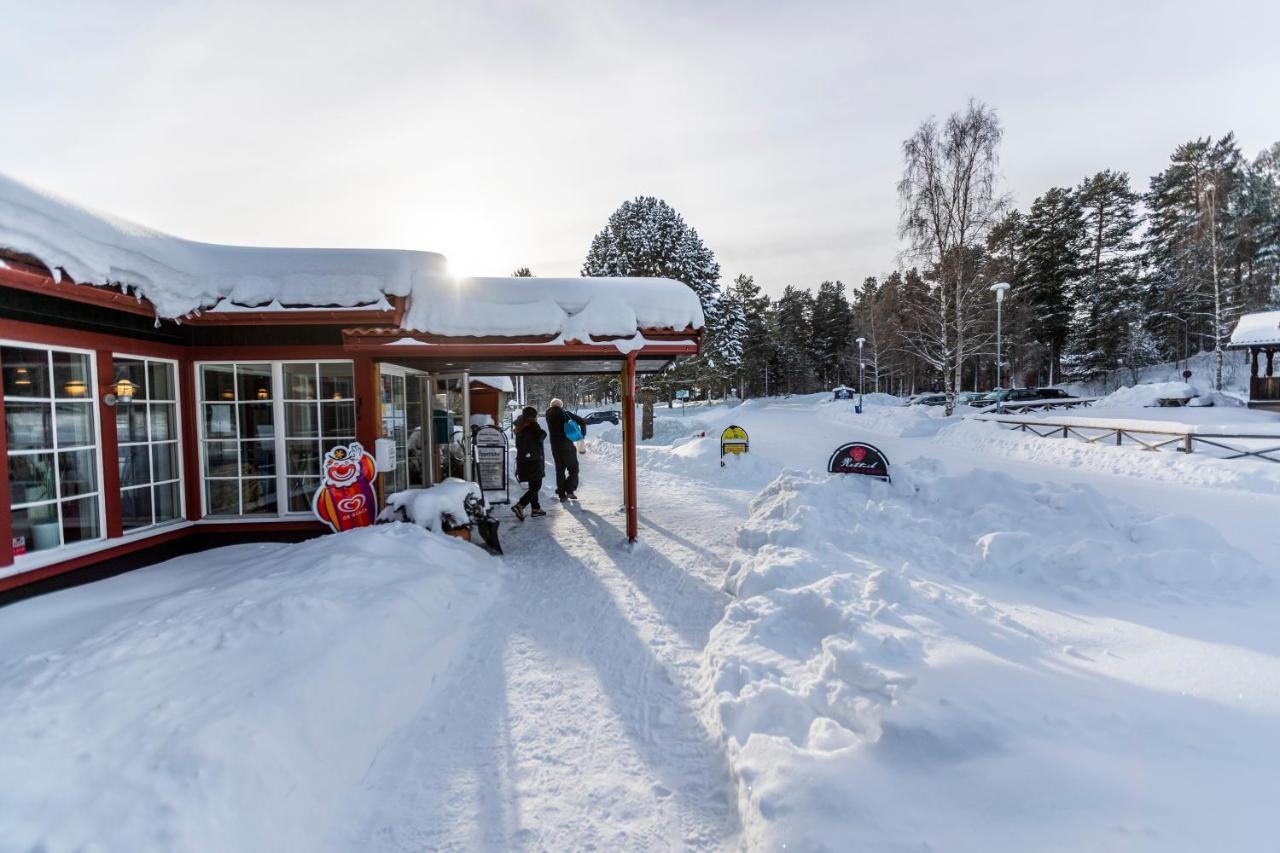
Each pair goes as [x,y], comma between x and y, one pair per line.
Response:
[858,454]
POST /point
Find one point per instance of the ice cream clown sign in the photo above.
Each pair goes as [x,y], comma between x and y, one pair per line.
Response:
[346,498]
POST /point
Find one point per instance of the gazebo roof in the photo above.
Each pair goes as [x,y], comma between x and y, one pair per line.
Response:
[1261,329]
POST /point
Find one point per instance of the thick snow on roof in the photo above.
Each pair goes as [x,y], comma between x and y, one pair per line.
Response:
[1255,329]
[572,308]
[180,276]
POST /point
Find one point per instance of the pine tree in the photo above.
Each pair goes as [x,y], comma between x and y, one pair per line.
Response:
[1051,264]
[646,237]
[1106,300]
[757,344]
[522,272]
[790,329]
[831,341]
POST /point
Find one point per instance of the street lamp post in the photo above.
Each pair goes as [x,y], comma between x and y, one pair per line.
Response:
[999,289]
[861,372]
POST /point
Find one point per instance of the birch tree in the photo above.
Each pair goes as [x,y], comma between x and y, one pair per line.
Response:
[949,203]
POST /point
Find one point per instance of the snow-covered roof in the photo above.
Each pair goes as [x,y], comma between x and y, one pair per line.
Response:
[1257,329]
[502,383]
[181,276]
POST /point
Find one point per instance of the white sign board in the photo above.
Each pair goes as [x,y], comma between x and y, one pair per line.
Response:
[384,453]
[682,394]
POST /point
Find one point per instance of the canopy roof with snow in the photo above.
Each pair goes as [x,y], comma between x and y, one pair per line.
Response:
[1253,330]
[182,277]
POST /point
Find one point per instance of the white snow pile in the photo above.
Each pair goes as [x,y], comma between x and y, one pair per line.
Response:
[571,308]
[870,697]
[229,700]
[891,417]
[1197,469]
[428,507]
[180,276]
[698,458]
[183,276]
[1146,396]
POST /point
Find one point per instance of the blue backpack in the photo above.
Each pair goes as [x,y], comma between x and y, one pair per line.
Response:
[572,431]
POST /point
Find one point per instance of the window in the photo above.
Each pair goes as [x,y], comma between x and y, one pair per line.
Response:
[319,412]
[238,432]
[241,407]
[53,454]
[147,433]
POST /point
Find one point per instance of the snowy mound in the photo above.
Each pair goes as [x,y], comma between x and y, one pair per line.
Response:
[428,507]
[229,700]
[182,276]
[869,698]
[1139,396]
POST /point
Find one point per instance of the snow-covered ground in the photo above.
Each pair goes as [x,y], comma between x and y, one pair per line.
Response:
[1004,649]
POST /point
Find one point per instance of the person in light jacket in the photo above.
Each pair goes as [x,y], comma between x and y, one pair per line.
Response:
[531,461]
[562,449]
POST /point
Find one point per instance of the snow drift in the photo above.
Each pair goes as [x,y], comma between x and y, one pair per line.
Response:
[871,688]
[228,700]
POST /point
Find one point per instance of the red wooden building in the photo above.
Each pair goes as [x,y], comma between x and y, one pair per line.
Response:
[162,396]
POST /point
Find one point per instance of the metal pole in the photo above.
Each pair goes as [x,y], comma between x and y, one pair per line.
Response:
[466,425]
[628,391]
[999,329]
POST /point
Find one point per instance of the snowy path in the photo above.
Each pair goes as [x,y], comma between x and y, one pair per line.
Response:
[573,722]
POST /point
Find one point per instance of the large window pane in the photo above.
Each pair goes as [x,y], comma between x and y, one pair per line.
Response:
[135,507]
[217,382]
[75,424]
[164,421]
[301,490]
[77,472]
[164,462]
[257,458]
[257,420]
[71,376]
[35,529]
[29,425]
[304,457]
[337,381]
[167,502]
[135,468]
[80,520]
[300,420]
[221,458]
[222,497]
[26,372]
[131,422]
[253,382]
[130,370]
[259,496]
[31,478]
[160,381]
[219,421]
[300,381]
[338,419]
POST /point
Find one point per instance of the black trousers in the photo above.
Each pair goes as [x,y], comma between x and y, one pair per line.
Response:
[530,497]
[566,459]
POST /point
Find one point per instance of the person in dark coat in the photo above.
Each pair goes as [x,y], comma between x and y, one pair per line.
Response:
[531,461]
[563,451]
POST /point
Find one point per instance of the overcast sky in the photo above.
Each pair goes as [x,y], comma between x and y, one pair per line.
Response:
[503,134]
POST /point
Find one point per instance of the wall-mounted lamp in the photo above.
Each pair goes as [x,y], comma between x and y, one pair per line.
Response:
[121,392]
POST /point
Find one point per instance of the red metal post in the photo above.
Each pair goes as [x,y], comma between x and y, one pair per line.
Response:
[628,385]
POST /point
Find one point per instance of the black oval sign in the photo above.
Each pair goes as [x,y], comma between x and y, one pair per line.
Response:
[859,458]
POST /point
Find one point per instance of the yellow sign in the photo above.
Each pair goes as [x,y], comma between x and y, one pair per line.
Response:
[734,440]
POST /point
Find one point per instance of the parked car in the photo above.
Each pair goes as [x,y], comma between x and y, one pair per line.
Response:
[928,400]
[971,398]
[612,416]
[1053,394]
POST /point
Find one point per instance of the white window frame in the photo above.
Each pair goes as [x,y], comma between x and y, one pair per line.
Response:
[278,438]
[35,559]
[182,481]
[283,447]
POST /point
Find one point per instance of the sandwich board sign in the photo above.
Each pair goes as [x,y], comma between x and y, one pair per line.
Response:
[489,452]
[857,457]
[733,440]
